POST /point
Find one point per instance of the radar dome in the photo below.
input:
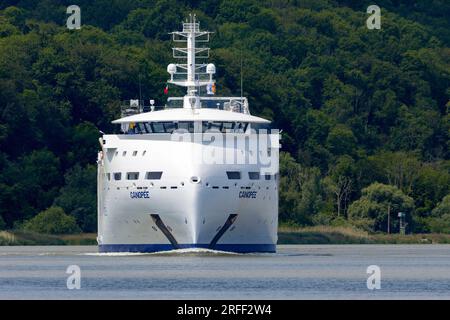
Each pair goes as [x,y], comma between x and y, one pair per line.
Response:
[210,68]
[171,68]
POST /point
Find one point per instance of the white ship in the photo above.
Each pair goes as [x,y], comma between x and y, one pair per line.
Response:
[187,175]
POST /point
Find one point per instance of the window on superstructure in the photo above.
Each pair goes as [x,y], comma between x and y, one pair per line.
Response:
[267,176]
[227,126]
[186,125]
[215,126]
[158,127]
[254,175]
[117,175]
[234,175]
[124,153]
[148,127]
[134,153]
[141,128]
[153,175]
[132,175]
[169,127]
[241,127]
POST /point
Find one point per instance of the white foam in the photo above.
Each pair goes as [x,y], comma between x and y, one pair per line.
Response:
[113,254]
[168,252]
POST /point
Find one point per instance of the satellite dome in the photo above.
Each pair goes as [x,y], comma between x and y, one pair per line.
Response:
[210,68]
[171,68]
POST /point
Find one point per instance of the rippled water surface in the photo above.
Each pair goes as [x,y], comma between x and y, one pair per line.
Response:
[294,272]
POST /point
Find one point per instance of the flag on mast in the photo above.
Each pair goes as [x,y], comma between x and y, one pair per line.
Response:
[211,88]
[166,89]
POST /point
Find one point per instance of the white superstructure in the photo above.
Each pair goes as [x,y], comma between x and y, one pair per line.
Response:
[194,174]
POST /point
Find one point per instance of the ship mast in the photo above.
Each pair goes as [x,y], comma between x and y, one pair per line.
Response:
[191,75]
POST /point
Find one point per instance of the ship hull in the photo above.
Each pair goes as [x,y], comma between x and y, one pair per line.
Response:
[149,248]
[192,205]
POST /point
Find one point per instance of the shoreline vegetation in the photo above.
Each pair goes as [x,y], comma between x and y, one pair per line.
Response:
[286,235]
[351,235]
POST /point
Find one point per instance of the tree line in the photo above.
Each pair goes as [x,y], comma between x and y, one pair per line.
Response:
[365,113]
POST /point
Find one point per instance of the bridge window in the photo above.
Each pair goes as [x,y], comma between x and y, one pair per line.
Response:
[157,127]
[153,175]
[224,126]
[233,175]
[134,153]
[169,127]
[227,126]
[117,175]
[215,126]
[148,127]
[186,126]
[140,127]
[241,127]
[132,175]
[253,175]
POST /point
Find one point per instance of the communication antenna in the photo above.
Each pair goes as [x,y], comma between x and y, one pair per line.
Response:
[242,77]
[140,92]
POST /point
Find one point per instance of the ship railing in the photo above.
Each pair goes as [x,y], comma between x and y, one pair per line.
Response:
[136,108]
[189,26]
[199,76]
[233,104]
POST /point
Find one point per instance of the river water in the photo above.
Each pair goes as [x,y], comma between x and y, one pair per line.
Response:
[294,272]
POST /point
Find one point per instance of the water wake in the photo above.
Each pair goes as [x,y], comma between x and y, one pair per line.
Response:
[177,252]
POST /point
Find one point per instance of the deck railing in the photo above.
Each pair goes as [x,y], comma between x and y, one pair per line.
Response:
[234,104]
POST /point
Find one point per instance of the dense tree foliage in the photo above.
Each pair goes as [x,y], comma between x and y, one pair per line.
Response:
[52,221]
[376,203]
[357,106]
[78,196]
[2,223]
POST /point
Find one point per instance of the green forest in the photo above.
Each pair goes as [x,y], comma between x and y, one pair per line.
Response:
[364,113]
